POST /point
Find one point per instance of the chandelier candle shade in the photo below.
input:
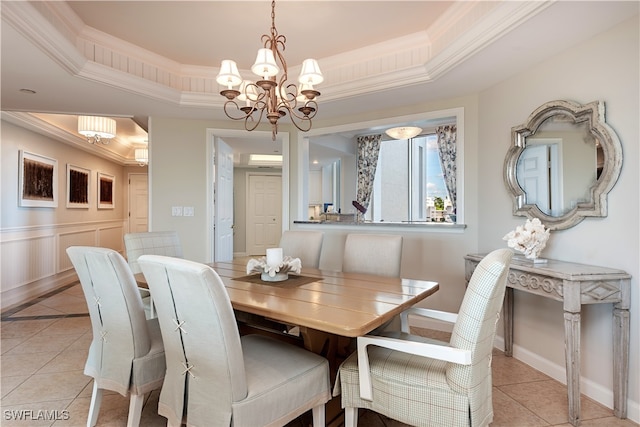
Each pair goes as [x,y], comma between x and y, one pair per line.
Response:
[97,129]
[271,94]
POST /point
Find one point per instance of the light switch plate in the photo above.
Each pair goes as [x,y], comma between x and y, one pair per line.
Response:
[188,211]
[176,211]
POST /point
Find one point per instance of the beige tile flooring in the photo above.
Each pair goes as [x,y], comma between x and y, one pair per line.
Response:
[45,343]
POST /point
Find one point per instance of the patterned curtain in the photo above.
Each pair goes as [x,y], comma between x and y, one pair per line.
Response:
[368,150]
[447,150]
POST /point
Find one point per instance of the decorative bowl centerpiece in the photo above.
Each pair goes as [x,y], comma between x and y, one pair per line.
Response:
[274,267]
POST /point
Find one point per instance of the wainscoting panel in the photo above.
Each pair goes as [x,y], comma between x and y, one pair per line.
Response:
[27,260]
[111,237]
[73,238]
[34,259]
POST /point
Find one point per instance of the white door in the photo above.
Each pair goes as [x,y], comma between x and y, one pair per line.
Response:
[223,202]
[264,213]
[533,176]
[138,202]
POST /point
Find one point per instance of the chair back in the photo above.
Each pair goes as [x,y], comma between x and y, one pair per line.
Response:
[120,332]
[475,329]
[165,243]
[205,365]
[306,245]
[379,254]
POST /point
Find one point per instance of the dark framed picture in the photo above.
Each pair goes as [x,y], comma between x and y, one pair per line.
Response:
[77,187]
[106,189]
[37,181]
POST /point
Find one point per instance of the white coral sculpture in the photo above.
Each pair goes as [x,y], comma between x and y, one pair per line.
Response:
[529,239]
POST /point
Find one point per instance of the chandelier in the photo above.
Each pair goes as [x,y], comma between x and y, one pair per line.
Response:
[271,95]
[97,129]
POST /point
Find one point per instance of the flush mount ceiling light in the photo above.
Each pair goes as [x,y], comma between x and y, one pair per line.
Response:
[97,129]
[271,95]
[403,132]
[265,160]
[142,156]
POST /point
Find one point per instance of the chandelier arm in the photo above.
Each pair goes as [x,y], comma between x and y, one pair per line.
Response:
[258,106]
[299,123]
[273,95]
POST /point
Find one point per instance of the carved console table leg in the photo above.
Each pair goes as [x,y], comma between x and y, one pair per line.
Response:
[572,355]
[507,309]
[620,361]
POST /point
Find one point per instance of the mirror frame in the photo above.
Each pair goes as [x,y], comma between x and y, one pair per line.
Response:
[594,115]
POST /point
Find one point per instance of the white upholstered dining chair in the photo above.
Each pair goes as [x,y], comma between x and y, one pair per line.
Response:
[214,376]
[425,382]
[165,243]
[378,254]
[126,354]
[303,244]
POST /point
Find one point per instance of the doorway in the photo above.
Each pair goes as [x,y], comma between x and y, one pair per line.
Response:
[138,202]
[235,139]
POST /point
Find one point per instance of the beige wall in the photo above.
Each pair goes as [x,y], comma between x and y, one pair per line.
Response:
[15,138]
[604,68]
[33,240]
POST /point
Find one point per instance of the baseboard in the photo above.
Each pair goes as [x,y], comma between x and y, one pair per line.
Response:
[436,325]
[591,389]
[594,391]
[30,291]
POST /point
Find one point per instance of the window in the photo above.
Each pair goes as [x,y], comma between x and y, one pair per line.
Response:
[409,177]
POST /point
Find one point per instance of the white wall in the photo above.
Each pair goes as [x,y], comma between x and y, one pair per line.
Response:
[604,68]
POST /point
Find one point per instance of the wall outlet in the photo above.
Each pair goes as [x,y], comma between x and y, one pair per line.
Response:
[188,211]
[176,211]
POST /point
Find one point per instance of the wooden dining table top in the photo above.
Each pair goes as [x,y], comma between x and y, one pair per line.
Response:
[344,304]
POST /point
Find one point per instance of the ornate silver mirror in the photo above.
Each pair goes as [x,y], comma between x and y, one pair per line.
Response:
[563,162]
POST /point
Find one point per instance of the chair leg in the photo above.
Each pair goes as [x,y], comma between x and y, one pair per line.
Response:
[135,410]
[350,417]
[94,407]
[318,416]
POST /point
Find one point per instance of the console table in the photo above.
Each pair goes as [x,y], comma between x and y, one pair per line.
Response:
[573,284]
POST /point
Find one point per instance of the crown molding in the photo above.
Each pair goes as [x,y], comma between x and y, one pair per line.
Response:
[463,30]
[34,124]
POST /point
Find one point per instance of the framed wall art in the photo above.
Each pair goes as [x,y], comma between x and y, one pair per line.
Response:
[37,180]
[106,189]
[77,187]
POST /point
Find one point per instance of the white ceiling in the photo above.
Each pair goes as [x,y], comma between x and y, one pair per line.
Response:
[137,59]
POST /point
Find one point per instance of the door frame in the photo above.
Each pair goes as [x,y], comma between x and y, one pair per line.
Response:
[212,133]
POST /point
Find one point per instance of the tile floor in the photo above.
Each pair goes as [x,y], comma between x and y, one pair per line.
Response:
[45,342]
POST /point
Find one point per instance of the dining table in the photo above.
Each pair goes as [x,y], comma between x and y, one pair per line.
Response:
[328,309]
[323,304]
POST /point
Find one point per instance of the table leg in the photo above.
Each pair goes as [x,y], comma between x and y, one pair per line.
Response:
[572,356]
[620,361]
[507,309]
